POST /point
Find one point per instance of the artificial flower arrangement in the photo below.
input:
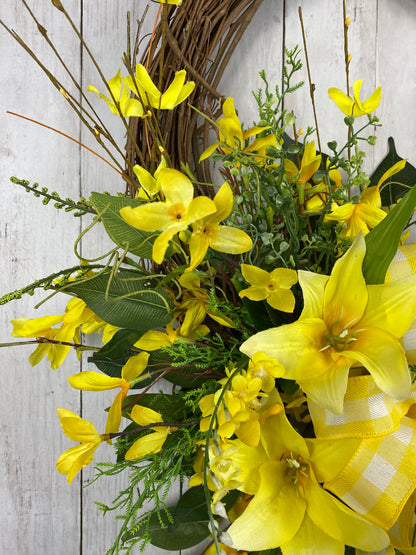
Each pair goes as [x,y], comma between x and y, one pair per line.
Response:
[280,304]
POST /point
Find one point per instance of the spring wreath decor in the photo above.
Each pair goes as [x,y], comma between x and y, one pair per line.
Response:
[279,303]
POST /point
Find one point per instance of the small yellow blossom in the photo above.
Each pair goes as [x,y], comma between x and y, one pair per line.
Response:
[231,134]
[274,287]
[150,184]
[120,102]
[143,86]
[353,106]
[83,431]
[223,238]
[236,414]
[193,309]
[365,215]
[76,314]
[150,443]
[265,368]
[93,381]
[174,214]
[308,167]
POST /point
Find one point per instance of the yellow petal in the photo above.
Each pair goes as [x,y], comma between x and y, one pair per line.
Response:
[313,288]
[145,416]
[345,296]
[34,327]
[74,459]
[176,187]
[391,307]
[341,523]
[77,428]
[223,201]
[199,207]
[343,101]
[93,381]
[147,445]
[114,414]
[329,390]
[135,366]
[396,168]
[231,240]
[198,246]
[308,538]
[282,299]
[152,340]
[383,356]
[148,217]
[254,275]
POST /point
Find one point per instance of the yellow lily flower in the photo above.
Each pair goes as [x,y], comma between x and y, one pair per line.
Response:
[124,105]
[223,238]
[353,106]
[289,508]
[274,287]
[94,381]
[231,134]
[150,443]
[143,86]
[175,214]
[345,322]
[173,2]
[308,167]
[83,431]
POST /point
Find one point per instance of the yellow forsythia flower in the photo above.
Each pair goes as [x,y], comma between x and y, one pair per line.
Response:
[83,431]
[353,106]
[274,287]
[174,214]
[120,102]
[94,381]
[223,238]
[150,443]
[231,134]
[143,86]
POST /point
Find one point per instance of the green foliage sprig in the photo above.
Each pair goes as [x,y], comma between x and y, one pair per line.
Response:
[83,206]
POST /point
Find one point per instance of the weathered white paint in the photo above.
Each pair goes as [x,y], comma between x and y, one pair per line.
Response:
[39,512]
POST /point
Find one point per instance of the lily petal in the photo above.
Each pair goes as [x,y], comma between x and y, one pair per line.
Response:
[275,502]
[383,356]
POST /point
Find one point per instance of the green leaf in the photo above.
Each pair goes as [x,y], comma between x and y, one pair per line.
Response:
[400,183]
[125,300]
[383,240]
[189,527]
[119,344]
[109,366]
[124,235]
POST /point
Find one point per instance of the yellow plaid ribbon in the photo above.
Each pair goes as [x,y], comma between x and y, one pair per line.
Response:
[379,481]
[368,412]
[381,475]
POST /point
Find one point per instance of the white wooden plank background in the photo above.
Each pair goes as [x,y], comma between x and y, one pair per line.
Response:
[39,512]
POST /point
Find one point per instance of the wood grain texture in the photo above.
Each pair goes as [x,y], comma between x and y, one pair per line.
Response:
[39,512]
